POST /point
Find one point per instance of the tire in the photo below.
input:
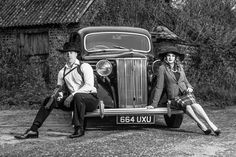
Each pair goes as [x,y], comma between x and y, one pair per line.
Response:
[174,121]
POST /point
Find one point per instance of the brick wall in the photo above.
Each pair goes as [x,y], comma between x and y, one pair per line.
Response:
[47,64]
[8,40]
[57,37]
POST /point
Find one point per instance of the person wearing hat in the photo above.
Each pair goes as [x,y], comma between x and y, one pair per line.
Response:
[82,93]
[172,80]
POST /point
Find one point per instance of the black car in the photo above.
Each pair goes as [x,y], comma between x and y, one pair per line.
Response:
[123,61]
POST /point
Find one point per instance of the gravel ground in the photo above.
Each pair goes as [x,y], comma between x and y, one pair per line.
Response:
[103,138]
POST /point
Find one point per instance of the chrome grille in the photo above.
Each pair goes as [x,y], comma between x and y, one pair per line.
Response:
[132,82]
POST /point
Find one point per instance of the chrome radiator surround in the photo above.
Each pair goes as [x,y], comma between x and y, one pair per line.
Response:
[132,82]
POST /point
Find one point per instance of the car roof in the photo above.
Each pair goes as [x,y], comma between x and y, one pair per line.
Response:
[92,29]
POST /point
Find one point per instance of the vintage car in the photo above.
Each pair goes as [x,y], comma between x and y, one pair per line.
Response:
[124,63]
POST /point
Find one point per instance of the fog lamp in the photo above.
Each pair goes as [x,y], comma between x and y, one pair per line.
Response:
[104,67]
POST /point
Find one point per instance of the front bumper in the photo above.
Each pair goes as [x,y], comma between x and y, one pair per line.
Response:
[132,111]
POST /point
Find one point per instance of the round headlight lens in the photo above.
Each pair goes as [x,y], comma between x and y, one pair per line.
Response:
[104,67]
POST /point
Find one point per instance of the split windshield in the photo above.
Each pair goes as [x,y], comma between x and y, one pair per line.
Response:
[109,41]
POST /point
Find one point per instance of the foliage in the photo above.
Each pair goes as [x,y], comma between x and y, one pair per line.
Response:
[22,84]
[209,24]
[137,13]
[56,62]
[212,69]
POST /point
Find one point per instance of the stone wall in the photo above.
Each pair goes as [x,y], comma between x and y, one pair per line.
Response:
[48,63]
[8,41]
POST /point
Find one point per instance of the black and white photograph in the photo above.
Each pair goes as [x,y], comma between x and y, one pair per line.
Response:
[118,78]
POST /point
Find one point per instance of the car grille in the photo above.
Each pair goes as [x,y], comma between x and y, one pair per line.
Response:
[132,82]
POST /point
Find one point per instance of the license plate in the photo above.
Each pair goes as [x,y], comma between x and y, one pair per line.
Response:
[135,119]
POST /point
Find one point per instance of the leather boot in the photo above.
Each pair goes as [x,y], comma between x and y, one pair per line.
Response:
[79,131]
[28,134]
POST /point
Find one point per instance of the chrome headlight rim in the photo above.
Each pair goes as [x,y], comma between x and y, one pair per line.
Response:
[106,70]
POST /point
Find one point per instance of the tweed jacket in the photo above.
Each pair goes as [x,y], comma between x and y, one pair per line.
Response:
[167,82]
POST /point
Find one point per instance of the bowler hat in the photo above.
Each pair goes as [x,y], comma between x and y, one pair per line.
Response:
[70,46]
[170,49]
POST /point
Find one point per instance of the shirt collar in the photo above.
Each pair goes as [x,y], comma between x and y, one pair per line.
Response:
[76,63]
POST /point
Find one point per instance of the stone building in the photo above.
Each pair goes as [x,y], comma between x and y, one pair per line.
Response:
[34,29]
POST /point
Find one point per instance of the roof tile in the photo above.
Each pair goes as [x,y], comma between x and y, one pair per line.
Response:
[41,12]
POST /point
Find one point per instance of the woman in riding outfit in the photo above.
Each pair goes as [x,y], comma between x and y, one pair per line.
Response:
[172,80]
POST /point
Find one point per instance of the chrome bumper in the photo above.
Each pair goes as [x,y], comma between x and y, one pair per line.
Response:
[132,111]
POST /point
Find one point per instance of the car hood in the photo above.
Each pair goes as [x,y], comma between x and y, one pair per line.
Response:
[124,54]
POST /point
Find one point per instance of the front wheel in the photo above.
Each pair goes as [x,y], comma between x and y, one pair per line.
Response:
[174,121]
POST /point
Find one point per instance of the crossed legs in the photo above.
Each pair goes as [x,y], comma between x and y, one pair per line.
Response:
[191,113]
[196,109]
[200,111]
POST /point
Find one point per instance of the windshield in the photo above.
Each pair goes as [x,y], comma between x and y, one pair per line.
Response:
[115,41]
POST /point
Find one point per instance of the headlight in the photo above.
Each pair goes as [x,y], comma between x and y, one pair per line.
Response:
[155,66]
[104,67]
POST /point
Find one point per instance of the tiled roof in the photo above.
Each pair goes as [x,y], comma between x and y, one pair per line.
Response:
[40,12]
[162,32]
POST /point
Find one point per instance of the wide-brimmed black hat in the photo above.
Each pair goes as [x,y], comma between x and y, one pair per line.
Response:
[170,49]
[70,46]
